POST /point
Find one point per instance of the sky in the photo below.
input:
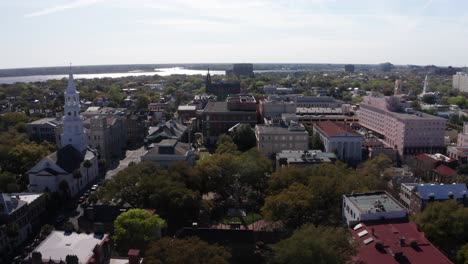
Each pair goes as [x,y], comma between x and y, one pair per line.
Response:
[36,33]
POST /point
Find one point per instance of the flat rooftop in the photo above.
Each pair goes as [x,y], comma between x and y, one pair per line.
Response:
[60,244]
[375,202]
[222,107]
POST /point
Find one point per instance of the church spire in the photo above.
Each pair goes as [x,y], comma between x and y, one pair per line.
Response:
[71,88]
[208,78]
[73,130]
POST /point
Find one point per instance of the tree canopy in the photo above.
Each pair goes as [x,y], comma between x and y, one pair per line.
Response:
[190,250]
[311,244]
[135,228]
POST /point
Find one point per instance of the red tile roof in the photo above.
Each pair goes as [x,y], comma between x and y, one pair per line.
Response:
[425,156]
[331,129]
[389,234]
[445,171]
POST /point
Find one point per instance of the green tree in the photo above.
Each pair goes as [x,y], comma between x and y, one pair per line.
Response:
[244,137]
[311,244]
[429,99]
[445,224]
[462,255]
[225,144]
[24,156]
[136,228]
[87,164]
[189,250]
[316,142]
[142,102]
[77,176]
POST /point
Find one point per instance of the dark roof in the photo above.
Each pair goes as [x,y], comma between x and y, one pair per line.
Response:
[68,158]
[389,234]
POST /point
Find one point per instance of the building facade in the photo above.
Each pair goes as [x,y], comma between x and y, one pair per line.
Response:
[415,197]
[218,117]
[407,131]
[273,109]
[44,129]
[272,139]
[340,139]
[27,210]
[460,81]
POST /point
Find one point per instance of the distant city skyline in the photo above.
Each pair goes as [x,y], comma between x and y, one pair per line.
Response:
[96,32]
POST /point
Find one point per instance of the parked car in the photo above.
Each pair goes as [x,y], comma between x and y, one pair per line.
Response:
[94,188]
[82,199]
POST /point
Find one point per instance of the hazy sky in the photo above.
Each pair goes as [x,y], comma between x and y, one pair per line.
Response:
[85,32]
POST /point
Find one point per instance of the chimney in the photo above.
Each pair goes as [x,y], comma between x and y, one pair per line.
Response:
[134,256]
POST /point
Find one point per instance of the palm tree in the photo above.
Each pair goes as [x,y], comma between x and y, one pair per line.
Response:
[87,164]
[77,176]
[64,187]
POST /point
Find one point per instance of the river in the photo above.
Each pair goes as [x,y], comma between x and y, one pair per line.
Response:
[161,72]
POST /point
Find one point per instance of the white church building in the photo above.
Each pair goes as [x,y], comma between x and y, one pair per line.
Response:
[58,172]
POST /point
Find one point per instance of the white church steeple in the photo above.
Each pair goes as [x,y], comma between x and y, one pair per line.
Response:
[73,130]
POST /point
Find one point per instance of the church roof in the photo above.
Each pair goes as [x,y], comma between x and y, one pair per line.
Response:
[68,158]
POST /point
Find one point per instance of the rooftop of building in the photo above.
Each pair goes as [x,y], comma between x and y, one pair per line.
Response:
[47,120]
[445,171]
[170,129]
[318,110]
[221,107]
[434,157]
[438,191]
[331,129]
[9,203]
[396,239]
[280,129]
[373,202]
[187,108]
[59,244]
[309,98]
[178,147]
[95,110]
[312,153]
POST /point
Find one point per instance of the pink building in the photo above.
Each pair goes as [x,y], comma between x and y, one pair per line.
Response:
[463,137]
[403,129]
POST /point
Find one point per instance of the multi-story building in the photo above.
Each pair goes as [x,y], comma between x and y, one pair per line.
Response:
[380,227]
[241,70]
[459,153]
[88,248]
[108,136]
[407,131]
[272,139]
[462,140]
[460,81]
[44,129]
[108,130]
[26,210]
[74,165]
[303,158]
[158,111]
[415,197]
[340,139]
[379,205]
[218,117]
[169,151]
[221,89]
[309,120]
[394,242]
[273,109]
[317,101]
